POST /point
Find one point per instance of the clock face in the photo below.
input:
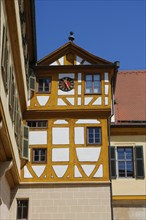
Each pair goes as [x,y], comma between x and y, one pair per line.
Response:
[66,84]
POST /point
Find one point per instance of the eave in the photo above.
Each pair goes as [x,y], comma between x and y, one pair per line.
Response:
[128,129]
[79,113]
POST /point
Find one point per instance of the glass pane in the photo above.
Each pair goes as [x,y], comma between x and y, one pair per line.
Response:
[88,77]
[121,168]
[96,77]
[96,87]
[43,157]
[129,168]
[36,158]
[120,153]
[129,154]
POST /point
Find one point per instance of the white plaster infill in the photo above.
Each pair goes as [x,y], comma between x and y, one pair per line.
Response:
[98,101]
[79,135]
[60,154]
[42,100]
[37,137]
[77,172]
[39,169]
[27,174]
[60,122]
[60,136]
[88,169]
[99,172]
[60,170]
[87,121]
[88,154]
[87,100]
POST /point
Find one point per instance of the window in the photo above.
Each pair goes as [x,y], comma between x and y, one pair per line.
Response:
[92,84]
[44,85]
[5,60]
[93,135]
[11,94]
[127,162]
[39,155]
[37,124]
[22,209]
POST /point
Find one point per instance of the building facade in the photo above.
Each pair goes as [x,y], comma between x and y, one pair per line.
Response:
[72,144]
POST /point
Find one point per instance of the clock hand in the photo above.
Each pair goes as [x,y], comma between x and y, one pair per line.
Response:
[65,81]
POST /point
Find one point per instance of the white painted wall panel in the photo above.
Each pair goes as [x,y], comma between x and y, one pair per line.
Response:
[60,122]
[60,135]
[88,169]
[54,64]
[79,101]
[79,89]
[87,100]
[61,60]
[87,121]
[42,100]
[106,88]
[106,101]
[27,174]
[60,154]
[99,172]
[39,169]
[79,135]
[71,100]
[106,77]
[98,101]
[37,137]
[78,60]
[77,172]
[60,169]
[60,102]
[88,154]
[79,77]
[62,75]
[71,92]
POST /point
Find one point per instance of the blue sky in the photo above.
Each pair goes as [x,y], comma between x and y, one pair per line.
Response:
[111,29]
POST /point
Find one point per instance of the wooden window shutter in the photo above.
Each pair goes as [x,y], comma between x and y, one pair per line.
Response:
[139,162]
[32,83]
[25,142]
[113,162]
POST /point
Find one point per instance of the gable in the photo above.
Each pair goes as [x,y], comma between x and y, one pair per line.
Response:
[71,54]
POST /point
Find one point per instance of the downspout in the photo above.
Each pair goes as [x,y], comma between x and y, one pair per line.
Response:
[113,84]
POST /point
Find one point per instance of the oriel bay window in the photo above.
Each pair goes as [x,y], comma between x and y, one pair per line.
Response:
[39,155]
[127,162]
[92,84]
[93,135]
[44,85]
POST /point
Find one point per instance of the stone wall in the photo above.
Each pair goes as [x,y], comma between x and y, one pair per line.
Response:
[130,212]
[65,201]
[5,195]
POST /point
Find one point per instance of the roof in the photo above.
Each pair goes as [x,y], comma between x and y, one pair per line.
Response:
[130,97]
[71,47]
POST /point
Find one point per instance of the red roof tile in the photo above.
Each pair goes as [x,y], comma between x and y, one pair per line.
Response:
[130,96]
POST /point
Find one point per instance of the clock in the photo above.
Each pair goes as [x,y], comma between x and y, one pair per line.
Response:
[66,84]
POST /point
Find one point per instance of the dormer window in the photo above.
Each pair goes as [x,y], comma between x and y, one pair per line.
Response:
[92,84]
[44,85]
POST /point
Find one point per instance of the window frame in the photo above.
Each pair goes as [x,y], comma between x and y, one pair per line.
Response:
[37,122]
[87,136]
[93,81]
[125,160]
[39,161]
[50,83]
[27,207]
[138,161]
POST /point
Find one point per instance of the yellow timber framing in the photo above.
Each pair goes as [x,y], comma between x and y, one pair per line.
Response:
[129,197]
[49,175]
